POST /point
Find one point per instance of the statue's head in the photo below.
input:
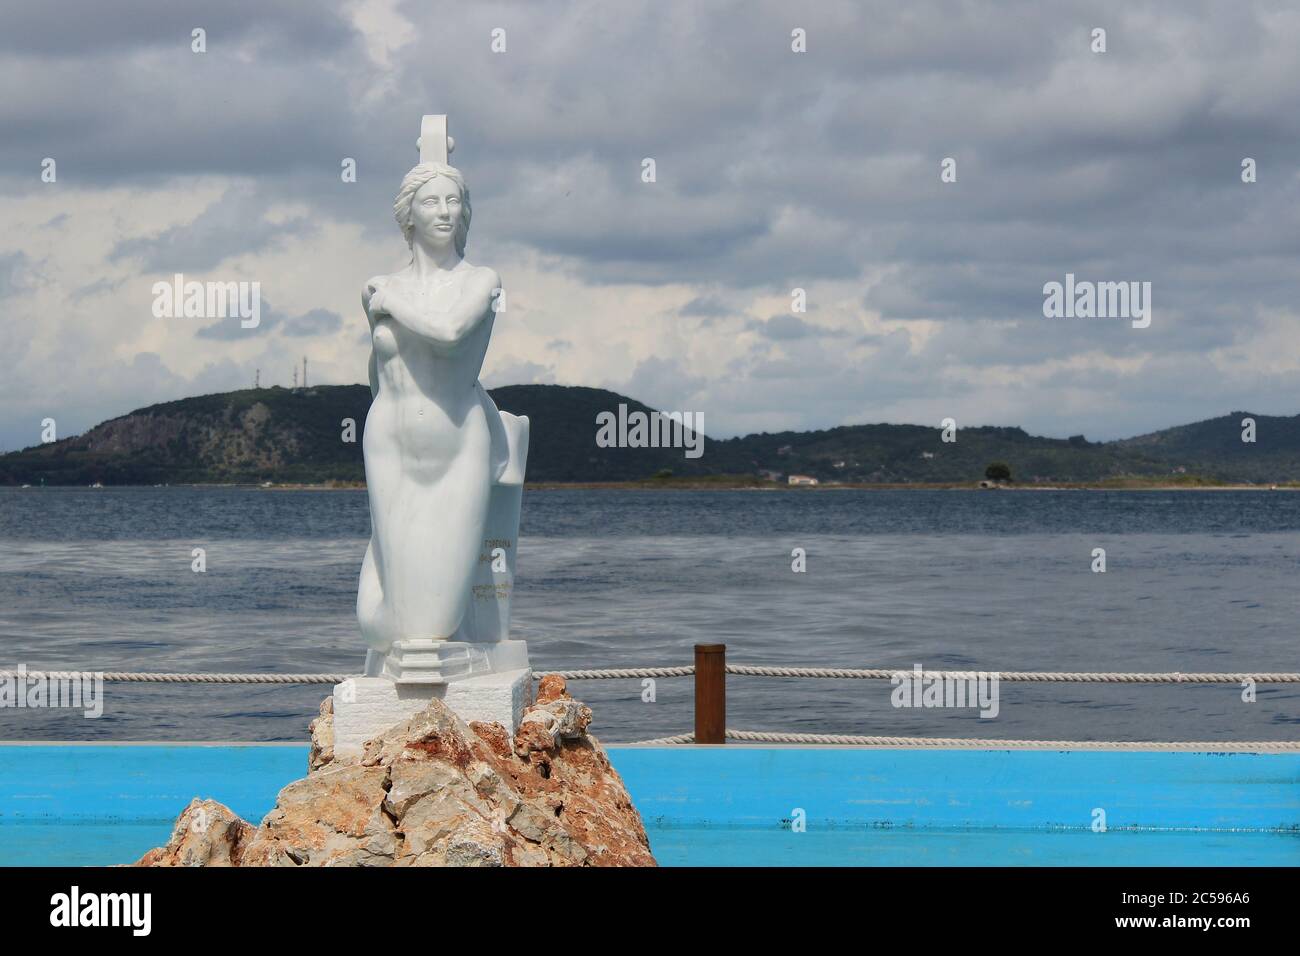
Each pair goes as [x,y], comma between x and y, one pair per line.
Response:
[433,203]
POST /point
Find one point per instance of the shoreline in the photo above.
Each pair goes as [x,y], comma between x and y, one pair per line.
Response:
[742,485]
[904,486]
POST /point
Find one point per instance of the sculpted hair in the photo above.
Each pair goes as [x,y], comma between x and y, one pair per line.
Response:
[411,184]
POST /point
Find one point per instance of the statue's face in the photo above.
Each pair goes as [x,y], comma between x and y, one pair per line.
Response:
[436,211]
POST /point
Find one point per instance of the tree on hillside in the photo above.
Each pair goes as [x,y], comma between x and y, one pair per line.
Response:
[998,471]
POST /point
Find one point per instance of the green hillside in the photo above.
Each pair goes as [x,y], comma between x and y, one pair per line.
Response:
[296,435]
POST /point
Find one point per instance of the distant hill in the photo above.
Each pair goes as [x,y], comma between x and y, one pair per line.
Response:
[1210,449]
[295,435]
[1214,447]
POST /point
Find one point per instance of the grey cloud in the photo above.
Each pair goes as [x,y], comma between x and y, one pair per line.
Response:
[785,327]
[519,373]
[775,170]
[662,383]
[315,322]
[99,287]
[12,267]
[303,325]
[231,329]
[98,28]
[707,306]
[235,224]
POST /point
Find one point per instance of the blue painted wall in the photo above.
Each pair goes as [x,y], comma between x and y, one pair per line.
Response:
[734,805]
[743,786]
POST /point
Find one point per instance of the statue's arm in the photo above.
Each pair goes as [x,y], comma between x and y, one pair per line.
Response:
[447,327]
[372,370]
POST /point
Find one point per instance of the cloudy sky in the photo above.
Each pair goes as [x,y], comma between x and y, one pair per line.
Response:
[775,170]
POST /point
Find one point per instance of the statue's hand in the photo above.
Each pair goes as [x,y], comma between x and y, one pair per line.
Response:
[377,299]
[373,294]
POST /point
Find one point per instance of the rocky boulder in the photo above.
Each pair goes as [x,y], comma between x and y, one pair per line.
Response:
[206,834]
[434,791]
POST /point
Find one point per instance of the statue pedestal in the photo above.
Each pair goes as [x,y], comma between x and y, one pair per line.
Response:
[365,707]
[441,662]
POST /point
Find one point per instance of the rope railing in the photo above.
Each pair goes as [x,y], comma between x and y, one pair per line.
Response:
[1075,677]
[988,743]
[148,677]
[619,673]
[661,741]
[710,670]
[742,670]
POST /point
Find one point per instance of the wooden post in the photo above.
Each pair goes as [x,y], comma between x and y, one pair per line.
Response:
[710,693]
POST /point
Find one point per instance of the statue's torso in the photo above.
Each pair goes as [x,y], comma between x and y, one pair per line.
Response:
[427,409]
[408,363]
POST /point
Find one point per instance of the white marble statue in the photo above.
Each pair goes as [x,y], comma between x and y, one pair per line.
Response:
[444,467]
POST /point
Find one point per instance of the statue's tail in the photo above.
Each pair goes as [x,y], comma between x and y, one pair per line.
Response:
[509,441]
[487,617]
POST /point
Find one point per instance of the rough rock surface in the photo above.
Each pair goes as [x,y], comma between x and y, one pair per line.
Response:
[434,791]
[206,834]
[322,736]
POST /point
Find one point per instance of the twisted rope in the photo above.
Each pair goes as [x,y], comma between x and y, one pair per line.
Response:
[1079,677]
[139,677]
[620,672]
[973,743]
[1211,746]
[679,739]
[743,670]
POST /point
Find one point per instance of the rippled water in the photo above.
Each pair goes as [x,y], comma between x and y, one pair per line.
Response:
[100,579]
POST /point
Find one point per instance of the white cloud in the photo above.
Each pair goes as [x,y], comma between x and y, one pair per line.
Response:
[776,170]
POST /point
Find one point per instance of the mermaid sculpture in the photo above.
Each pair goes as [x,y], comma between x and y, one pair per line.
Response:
[444,467]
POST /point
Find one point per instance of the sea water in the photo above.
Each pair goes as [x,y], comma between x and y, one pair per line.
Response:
[102,579]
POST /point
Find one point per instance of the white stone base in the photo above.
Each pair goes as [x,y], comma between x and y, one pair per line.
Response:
[365,707]
[441,662]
